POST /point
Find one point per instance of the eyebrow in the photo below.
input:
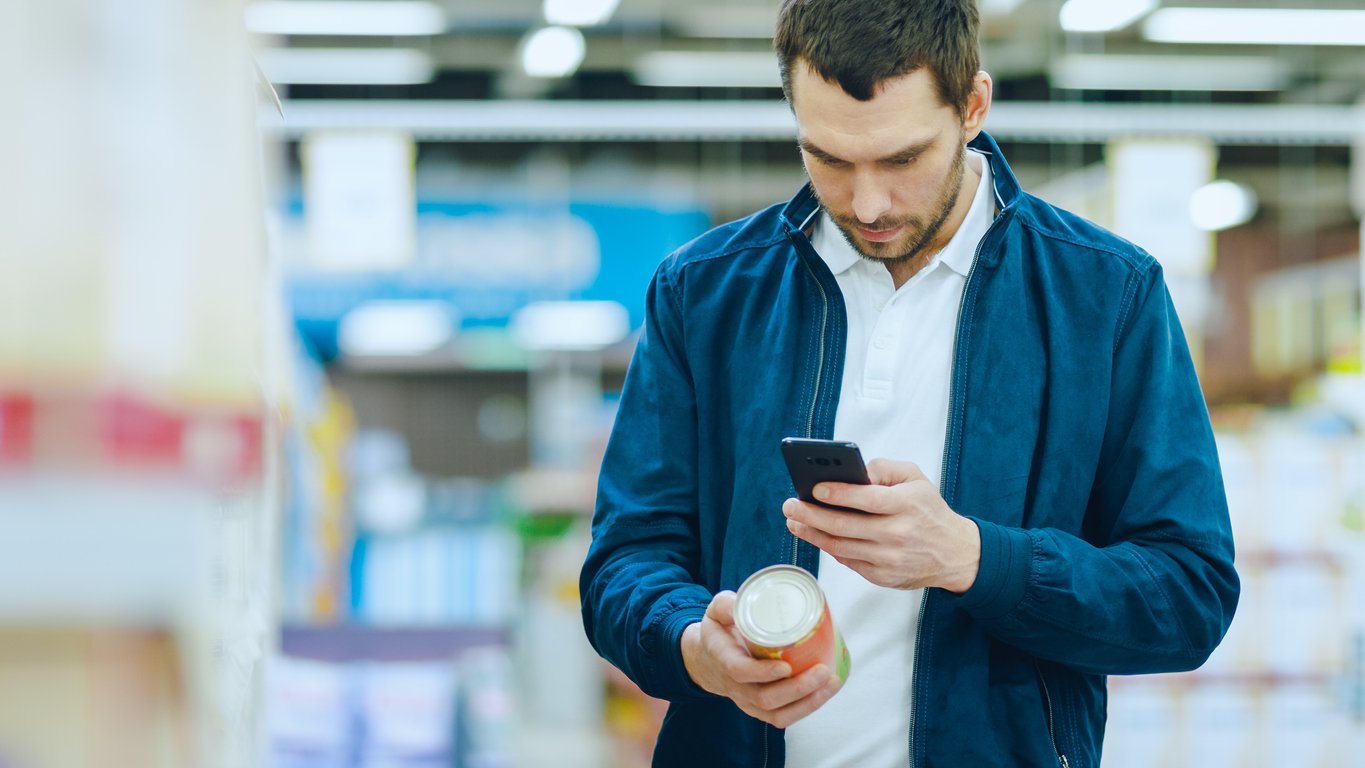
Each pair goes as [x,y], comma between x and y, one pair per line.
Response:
[905,153]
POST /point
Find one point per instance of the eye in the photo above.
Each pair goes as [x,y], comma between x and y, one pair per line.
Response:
[830,162]
[901,162]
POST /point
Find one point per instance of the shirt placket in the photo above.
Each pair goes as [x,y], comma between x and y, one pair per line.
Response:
[879,372]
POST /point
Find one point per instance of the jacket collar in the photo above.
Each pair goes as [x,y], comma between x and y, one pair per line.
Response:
[798,215]
[1007,190]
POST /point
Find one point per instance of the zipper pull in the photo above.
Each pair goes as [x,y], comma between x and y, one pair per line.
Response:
[1065,764]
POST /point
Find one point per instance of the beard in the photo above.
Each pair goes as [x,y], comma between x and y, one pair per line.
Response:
[921,231]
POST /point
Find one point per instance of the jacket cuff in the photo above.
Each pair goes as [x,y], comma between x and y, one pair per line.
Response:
[672,672]
[1006,557]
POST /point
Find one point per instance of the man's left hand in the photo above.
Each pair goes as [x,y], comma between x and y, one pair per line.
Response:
[905,537]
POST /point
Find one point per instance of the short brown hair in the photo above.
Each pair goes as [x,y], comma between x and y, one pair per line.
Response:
[861,43]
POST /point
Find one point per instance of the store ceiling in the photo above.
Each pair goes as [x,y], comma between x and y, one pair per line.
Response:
[1024,47]
[719,51]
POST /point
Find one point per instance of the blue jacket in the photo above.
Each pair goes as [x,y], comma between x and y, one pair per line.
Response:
[1078,441]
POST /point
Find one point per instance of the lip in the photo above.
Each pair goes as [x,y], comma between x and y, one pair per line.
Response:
[879,235]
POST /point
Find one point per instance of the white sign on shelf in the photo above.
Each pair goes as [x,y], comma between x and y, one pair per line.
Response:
[360,200]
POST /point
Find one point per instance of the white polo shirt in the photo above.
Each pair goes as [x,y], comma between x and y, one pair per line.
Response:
[894,404]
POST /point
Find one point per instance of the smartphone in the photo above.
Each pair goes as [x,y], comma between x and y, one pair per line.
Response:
[822,461]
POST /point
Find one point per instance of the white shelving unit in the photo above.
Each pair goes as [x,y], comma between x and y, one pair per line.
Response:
[138,486]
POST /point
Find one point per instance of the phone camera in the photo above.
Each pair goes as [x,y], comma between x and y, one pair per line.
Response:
[822,461]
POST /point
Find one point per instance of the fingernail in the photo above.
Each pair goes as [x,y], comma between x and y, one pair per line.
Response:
[821,492]
[792,525]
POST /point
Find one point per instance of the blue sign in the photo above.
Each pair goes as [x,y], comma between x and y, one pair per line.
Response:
[487,261]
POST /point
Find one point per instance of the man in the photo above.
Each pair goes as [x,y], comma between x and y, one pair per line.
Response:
[1047,508]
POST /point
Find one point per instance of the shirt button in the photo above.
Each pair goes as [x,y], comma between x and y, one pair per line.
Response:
[881,343]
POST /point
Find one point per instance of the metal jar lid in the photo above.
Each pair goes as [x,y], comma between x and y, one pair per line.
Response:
[779,606]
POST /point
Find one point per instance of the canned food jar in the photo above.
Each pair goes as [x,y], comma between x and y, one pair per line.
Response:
[782,614]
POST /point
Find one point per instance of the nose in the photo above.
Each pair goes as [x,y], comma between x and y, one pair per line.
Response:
[870,198]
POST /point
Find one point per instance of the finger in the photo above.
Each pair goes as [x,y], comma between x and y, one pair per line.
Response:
[770,697]
[758,671]
[816,537]
[722,608]
[836,522]
[808,697]
[727,647]
[888,472]
[837,546]
[798,710]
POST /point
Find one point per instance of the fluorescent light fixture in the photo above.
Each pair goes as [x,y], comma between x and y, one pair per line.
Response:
[1112,72]
[570,325]
[722,21]
[346,66]
[396,328]
[579,13]
[1256,26]
[999,7]
[552,52]
[1102,15]
[345,17]
[1221,205]
[703,69]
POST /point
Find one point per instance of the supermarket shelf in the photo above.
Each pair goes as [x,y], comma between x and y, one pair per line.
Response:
[352,642]
[1277,558]
[84,551]
[1260,679]
[772,121]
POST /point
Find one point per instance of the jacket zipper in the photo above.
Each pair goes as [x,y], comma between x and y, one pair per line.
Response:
[810,428]
[820,358]
[1051,728]
[943,477]
[819,374]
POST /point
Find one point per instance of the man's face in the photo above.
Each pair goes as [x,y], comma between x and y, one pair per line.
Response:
[888,171]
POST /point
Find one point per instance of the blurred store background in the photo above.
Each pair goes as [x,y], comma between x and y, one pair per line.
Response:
[313,312]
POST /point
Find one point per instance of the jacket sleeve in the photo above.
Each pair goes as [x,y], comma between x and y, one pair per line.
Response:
[1159,594]
[638,585]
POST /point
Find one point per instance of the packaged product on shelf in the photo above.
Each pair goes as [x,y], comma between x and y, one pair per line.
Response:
[308,713]
[1303,631]
[1216,720]
[1303,726]
[1144,722]
[408,712]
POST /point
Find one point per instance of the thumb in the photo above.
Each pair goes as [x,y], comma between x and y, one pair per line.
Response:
[888,472]
[722,608]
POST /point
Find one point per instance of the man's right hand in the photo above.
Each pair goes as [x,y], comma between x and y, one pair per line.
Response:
[718,661]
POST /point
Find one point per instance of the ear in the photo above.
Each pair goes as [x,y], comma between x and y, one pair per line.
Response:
[978,104]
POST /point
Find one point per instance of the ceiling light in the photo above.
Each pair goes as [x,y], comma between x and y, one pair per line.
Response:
[552,52]
[396,328]
[579,13]
[1251,26]
[1112,72]
[1221,205]
[728,22]
[345,17]
[707,69]
[570,325]
[346,66]
[1102,15]
[999,7]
